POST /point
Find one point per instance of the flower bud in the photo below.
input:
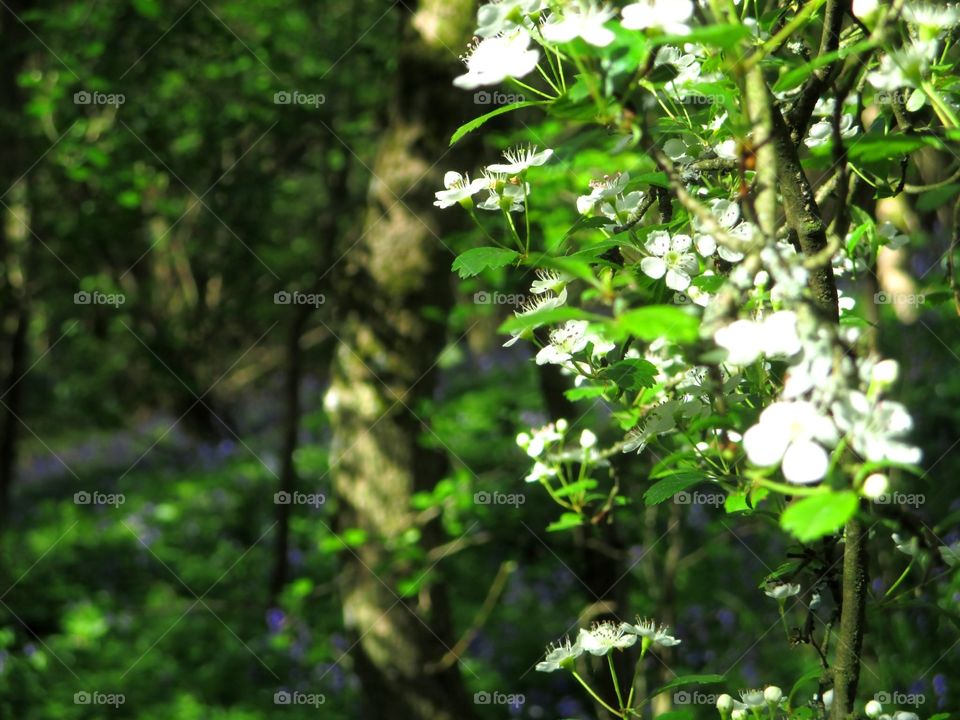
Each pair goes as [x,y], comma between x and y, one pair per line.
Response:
[875,486]
[773,695]
[724,704]
[523,439]
[739,714]
[873,709]
[587,439]
[885,372]
[561,425]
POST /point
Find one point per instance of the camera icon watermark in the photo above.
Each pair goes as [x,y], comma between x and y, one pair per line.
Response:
[685,697]
[314,500]
[498,498]
[498,298]
[98,498]
[283,297]
[887,298]
[295,97]
[913,500]
[485,97]
[899,698]
[285,697]
[699,498]
[98,698]
[96,297]
[86,97]
[514,700]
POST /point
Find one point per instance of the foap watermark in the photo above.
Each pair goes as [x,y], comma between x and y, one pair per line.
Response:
[83,297]
[298,498]
[498,298]
[913,500]
[98,498]
[684,697]
[514,700]
[899,698]
[891,97]
[96,697]
[699,498]
[498,498]
[299,298]
[295,97]
[485,97]
[888,298]
[285,697]
[86,97]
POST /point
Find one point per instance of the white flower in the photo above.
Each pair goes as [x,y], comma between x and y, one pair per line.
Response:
[548,281]
[565,341]
[587,440]
[791,434]
[885,373]
[671,16]
[727,150]
[828,699]
[905,67]
[744,340]
[623,209]
[542,438]
[781,591]
[458,188]
[494,59]
[822,132]
[503,195]
[932,20]
[875,428]
[604,637]
[560,656]
[670,257]
[873,709]
[651,634]
[865,9]
[503,16]
[753,698]
[904,715]
[891,237]
[606,187]
[540,472]
[581,18]
[727,215]
[519,159]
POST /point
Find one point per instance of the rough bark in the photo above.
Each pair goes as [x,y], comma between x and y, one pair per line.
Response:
[384,365]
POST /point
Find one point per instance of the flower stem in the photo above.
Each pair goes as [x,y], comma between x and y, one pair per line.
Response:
[616,683]
[595,696]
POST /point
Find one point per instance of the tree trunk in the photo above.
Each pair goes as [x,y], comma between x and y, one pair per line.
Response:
[383,366]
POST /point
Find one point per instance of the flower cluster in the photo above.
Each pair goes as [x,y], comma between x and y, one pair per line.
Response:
[602,638]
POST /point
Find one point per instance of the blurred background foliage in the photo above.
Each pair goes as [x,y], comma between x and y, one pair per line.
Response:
[198,199]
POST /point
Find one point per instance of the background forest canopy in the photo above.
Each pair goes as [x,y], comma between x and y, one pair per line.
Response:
[444,359]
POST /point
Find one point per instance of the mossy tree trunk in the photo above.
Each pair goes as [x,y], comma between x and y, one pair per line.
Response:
[392,296]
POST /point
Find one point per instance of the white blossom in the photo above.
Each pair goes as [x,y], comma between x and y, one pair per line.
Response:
[494,59]
[670,257]
[560,656]
[671,16]
[604,637]
[602,189]
[792,435]
[520,159]
[580,18]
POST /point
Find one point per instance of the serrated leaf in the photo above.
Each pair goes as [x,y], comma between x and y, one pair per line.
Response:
[634,374]
[819,515]
[469,127]
[476,260]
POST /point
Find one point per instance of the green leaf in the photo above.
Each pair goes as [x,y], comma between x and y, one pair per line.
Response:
[631,374]
[584,392]
[576,488]
[683,681]
[819,515]
[671,485]
[807,677]
[720,36]
[795,77]
[656,321]
[933,199]
[475,261]
[524,323]
[894,146]
[469,127]
[566,521]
